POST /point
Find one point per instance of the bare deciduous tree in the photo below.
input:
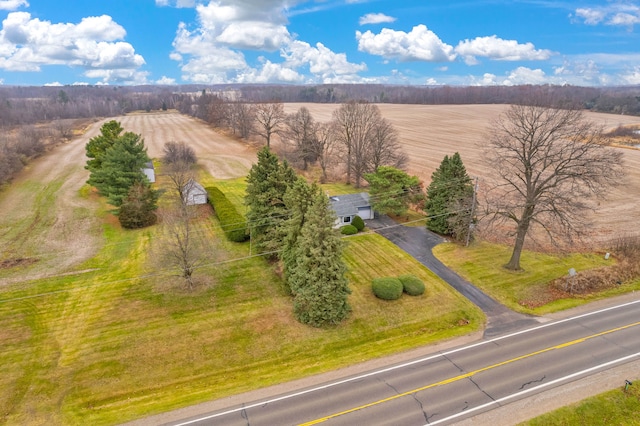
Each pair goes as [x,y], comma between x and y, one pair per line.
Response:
[549,162]
[300,129]
[241,118]
[369,140]
[385,149]
[269,118]
[325,147]
[178,158]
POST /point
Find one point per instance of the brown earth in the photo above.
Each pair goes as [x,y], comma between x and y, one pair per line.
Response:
[429,132]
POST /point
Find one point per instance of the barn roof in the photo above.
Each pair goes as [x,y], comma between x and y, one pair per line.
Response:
[347,204]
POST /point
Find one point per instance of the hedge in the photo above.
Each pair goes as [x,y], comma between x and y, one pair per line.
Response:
[412,285]
[233,223]
[348,230]
[387,288]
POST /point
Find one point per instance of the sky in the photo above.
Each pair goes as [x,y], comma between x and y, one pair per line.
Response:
[407,42]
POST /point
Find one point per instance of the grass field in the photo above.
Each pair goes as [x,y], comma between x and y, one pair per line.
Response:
[616,407]
[523,291]
[125,339]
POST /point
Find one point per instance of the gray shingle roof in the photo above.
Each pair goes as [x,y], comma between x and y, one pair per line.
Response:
[347,204]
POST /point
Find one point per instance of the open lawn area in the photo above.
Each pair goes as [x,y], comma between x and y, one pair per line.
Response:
[525,291]
[121,338]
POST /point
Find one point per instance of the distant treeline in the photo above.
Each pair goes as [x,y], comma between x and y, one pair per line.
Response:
[31,104]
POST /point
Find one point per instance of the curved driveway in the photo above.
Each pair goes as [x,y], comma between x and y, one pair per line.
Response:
[419,242]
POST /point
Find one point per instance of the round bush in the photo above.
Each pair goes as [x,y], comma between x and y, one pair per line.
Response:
[358,223]
[387,288]
[348,230]
[412,285]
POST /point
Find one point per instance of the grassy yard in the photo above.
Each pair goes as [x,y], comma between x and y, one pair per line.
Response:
[616,407]
[124,339]
[481,264]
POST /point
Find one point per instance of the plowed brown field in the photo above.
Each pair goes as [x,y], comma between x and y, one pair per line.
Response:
[427,133]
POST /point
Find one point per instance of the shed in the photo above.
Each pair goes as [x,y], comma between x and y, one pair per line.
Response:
[349,205]
[149,171]
[194,193]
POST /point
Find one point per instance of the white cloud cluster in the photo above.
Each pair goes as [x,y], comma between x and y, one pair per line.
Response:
[12,4]
[212,52]
[617,13]
[498,49]
[376,18]
[26,44]
[420,44]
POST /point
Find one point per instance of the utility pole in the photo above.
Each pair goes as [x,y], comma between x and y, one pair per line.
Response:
[473,209]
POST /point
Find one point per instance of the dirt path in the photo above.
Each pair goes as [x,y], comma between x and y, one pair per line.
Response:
[43,218]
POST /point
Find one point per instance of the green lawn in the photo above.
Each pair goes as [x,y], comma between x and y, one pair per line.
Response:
[481,264]
[616,407]
[126,340]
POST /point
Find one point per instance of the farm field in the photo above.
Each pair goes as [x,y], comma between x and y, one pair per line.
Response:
[429,132]
[89,334]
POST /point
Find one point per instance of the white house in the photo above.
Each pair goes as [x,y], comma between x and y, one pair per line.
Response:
[349,205]
[149,171]
[194,193]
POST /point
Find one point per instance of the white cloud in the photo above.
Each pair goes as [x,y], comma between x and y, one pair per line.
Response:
[12,4]
[326,65]
[164,80]
[376,18]
[212,51]
[176,3]
[616,13]
[26,44]
[420,44]
[53,84]
[524,75]
[632,77]
[499,49]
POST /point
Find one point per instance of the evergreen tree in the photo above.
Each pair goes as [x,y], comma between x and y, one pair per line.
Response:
[298,200]
[267,183]
[392,190]
[138,208]
[317,276]
[448,196]
[98,145]
[122,166]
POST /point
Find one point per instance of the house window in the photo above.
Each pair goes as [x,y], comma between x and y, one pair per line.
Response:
[347,219]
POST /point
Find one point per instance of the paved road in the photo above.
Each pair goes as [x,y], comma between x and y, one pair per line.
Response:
[419,242]
[446,387]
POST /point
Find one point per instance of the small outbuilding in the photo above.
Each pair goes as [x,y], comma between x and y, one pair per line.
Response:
[347,206]
[149,171]
[194,193]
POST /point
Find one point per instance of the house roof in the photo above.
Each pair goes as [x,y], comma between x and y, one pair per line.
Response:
[347,204]
[194,187]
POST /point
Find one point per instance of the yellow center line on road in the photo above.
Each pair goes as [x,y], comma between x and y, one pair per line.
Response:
[470,374]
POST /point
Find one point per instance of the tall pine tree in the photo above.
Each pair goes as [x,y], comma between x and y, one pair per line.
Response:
[122,165]
[298,200]
[267,183]
[98,145]
[449,197]
[317,276]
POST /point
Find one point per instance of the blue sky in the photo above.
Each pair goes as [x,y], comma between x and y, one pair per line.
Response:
[418,42]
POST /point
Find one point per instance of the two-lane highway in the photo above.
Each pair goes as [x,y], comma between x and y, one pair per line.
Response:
[450,385]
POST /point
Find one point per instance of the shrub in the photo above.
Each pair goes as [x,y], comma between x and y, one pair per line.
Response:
[137,209]
[388,288]
[233,223]
[358,223]
[348,230]
[412,285]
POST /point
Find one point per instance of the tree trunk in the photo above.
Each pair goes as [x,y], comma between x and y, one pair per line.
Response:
[514,262]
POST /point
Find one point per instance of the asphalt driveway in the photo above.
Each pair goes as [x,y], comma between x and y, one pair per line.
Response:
[418,242]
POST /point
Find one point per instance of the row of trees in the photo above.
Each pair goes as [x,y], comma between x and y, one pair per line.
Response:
[292,221]
[358,138]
